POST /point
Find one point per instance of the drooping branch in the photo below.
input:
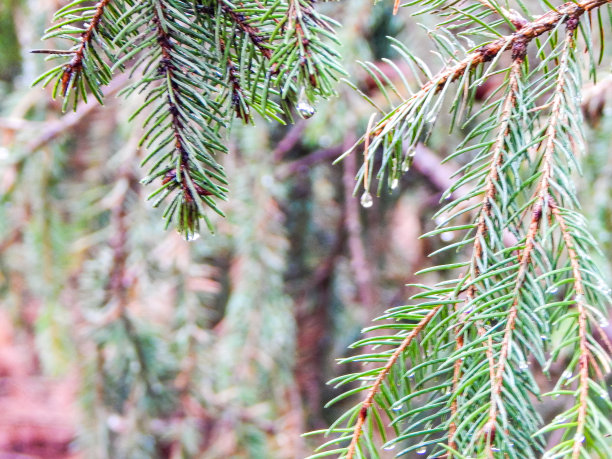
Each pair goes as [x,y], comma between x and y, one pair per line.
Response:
[516,43]
[583,361]
[375,388]
[541,202]
[75,66]
[482,228]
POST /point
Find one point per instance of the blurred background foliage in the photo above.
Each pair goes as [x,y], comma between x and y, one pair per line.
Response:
[120,339]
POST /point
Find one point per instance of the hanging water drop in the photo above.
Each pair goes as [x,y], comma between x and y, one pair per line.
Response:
[389,447]
[422,450]
[566,374]
[552,289]
[190,237]
[578,438]
[303,107]
[394,183]
[366,200]
[397,407]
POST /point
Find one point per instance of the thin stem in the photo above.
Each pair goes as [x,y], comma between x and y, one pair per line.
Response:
[365,405]
[542,199]
[583,362]
[76,64]
[490,191]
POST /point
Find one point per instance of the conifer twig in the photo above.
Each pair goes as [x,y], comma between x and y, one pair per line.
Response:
[490,190]
[583,362]
[365,405]
[541,201]
[76,64]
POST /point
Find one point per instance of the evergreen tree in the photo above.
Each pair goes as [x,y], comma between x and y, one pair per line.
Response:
[455,373]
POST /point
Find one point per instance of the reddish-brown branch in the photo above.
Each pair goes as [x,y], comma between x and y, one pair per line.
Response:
[583,361]
[516,43]
[75,66]
[481,231]
[365,405]
[541,200]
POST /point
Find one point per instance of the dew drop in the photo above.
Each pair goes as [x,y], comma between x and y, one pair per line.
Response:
[447,236]
[579,438]
[566,374]
[190,237]
[552,290]
[560,420]
[366,200]
[389,447]
[303,107]
[495,450]
[394,183]
[422,450]
[397,407]
[523,365]
[543,337]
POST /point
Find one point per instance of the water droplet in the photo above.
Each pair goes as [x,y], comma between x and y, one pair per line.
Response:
[560,420]
[543,337]
[397,407]
[366,200]
[447,236]
[555,396]
[422,450]
[495,450]
[552,289]
[579,438]
[190,237]
[566,374]
[523,365]
[389,447]
[410,375]
[604,323]
[394,183]
[303,106]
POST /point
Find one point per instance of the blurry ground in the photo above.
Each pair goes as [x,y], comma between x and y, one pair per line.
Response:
[37,416]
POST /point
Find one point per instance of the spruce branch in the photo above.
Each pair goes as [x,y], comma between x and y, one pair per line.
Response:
[490,190]
[357,430]
[397,128]
[88,69]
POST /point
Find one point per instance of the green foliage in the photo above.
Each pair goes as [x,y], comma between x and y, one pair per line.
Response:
[453,372]
[200,64]
[460,370]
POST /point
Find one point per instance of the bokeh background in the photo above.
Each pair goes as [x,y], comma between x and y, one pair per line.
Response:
[120,339]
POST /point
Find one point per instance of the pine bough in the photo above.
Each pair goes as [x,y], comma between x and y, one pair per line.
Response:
[199,63]
[448,376]
[452,374]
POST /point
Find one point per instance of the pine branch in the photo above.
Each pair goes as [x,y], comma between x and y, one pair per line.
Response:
[490,190]
[582,330]
[382,374]
[398,123]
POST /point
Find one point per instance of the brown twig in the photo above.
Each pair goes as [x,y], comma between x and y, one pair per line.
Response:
[490,191]
[583,362]
[541,200]
[516,42]
[75,66]
[365,405]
